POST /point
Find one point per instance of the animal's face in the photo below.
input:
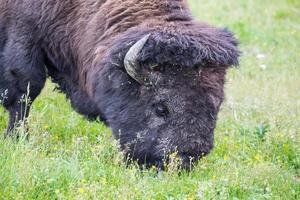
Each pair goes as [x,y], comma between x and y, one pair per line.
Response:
[175,112]
[166,98]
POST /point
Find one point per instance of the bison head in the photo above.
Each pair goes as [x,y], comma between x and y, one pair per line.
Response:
[162,94]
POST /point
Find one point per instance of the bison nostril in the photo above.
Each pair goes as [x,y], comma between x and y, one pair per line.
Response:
[159,164]
[184,156]
[186,161]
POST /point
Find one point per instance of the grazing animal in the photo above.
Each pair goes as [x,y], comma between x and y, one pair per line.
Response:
[146,68]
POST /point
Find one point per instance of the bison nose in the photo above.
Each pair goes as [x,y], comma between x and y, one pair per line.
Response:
[160,164]
[153,161]
[186,161]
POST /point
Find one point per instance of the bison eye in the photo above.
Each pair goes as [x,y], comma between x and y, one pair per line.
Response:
[161,110]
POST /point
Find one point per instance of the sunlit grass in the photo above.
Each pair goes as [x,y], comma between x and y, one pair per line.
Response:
[257,148]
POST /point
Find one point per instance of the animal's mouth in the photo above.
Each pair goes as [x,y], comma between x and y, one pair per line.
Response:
[182,161]
[158,164]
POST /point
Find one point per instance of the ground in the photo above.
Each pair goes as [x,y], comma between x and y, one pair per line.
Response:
[257,148]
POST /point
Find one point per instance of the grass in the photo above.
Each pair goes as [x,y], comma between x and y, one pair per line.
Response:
[257,144]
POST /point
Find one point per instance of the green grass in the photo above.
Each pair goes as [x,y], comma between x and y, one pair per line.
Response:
[257,148]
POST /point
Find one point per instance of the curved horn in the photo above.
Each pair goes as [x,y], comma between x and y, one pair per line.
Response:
[130,61]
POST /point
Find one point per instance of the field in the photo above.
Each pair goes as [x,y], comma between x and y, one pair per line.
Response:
[257,139]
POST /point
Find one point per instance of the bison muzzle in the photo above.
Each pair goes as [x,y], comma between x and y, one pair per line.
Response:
[147,69]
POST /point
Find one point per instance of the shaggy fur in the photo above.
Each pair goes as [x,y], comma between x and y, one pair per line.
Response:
[81,45]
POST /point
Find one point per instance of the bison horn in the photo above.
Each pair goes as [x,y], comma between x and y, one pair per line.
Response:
[130,61]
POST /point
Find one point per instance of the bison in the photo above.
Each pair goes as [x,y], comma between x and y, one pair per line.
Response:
[146,68]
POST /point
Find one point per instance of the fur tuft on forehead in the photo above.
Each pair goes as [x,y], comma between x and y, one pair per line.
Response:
[199,45]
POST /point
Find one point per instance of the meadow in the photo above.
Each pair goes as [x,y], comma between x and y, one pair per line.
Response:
[257,139]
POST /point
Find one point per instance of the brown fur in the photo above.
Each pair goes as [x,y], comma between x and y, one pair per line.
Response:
[82,44]
[89,28]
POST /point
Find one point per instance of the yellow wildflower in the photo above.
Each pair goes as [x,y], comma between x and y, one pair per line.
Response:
[257,157]
[225,157]
[81,190]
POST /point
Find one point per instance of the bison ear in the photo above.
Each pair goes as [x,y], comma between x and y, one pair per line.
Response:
[198,46]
